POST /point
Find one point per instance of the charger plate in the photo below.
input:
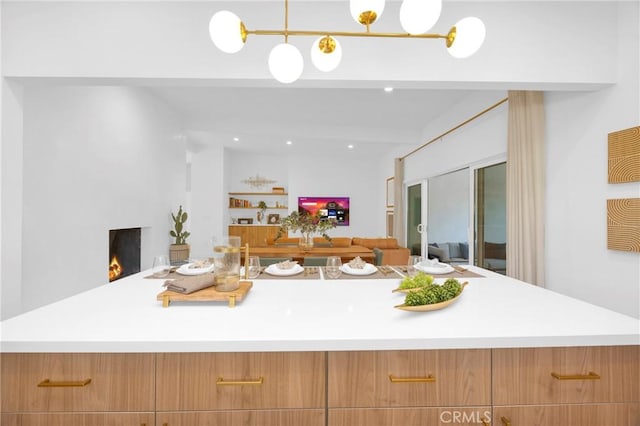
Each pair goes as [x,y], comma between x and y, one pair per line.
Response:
[433,306]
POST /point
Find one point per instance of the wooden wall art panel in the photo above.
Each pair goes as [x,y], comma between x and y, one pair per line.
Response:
[623,224]
[624,156]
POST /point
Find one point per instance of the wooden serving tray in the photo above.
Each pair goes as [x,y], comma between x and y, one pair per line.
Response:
[209,294]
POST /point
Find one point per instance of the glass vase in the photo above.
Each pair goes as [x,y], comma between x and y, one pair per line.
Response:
[306,241]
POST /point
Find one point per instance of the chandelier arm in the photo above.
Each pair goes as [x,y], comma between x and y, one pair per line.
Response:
[345,34]
[286,21]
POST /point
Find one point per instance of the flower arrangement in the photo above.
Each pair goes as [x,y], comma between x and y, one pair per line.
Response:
[307,224]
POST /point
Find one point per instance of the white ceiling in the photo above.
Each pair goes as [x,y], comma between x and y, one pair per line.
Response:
[264,118]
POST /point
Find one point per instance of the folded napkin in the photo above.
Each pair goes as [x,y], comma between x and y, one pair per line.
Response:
[188,285]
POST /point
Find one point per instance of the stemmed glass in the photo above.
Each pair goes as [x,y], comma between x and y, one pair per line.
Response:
[254,266]
[161,266]
[411,265]
[333,266]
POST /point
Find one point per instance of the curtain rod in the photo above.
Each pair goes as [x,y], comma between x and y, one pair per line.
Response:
[455,128]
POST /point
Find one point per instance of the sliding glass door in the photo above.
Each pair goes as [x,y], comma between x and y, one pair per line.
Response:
[414,218]
[491,217]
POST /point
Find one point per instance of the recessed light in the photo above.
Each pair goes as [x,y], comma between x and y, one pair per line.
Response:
[350,146]
[388,89]
[236,139]
[289,143]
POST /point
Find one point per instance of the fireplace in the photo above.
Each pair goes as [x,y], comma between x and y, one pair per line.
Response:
[124,252]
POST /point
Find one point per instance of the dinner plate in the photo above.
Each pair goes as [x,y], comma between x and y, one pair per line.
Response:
[274,270]
[367,270]
[435,268]
[186,269]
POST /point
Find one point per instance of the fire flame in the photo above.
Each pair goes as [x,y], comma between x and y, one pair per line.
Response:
[115,269]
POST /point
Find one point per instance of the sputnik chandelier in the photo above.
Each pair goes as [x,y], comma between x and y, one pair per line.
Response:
[417,17]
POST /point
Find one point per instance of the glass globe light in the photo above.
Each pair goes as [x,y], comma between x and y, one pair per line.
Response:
[470,34]
[366,11]
[285,63]
[418,16]
[326,53]
[227,31]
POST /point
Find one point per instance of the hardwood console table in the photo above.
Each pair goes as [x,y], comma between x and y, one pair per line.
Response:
[295,253]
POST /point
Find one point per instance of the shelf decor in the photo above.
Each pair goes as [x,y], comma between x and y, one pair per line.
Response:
[258,181]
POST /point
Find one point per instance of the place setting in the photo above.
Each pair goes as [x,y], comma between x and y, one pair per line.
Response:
[356,268]
[435,267]
[281,270]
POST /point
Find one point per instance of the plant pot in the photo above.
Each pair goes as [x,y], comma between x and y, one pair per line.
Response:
[179,253]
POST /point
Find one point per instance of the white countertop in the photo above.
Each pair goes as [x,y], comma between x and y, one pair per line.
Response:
[309,315]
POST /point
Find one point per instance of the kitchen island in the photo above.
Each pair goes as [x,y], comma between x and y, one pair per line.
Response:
[318,352]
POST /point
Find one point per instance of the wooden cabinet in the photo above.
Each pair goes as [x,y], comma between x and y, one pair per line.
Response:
[409,378]
[61,382]
[79,419]
[314,417]
[391,381]
[254,235]
[568,385]
[414,416]
[609,414]
[227,381]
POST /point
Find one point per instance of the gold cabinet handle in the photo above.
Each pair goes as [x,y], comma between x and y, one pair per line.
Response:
[485,421]
[222,382]
[505,421]
[46,383]
[590,376]
[428,379]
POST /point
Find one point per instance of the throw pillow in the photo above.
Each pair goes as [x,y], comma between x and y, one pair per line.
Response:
[454,250]
[464,250]
[445,248]
[437,252]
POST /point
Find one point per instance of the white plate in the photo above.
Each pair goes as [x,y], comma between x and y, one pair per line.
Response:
[186,270]
[274,270]
[367,270]
[435,268]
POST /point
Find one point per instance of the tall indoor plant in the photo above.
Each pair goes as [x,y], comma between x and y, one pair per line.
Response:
[308,225]
[179,251]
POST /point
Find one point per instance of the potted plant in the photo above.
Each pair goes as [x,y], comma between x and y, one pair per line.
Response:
[308,225]
[179,251]
[263,207]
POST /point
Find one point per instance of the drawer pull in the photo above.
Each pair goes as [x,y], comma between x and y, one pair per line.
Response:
[590,376]
[485,421]
[46,383]
[428,379]
[505,421]
[221,381]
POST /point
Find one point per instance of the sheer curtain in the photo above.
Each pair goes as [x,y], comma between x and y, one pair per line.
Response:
[526,187]
[398,203]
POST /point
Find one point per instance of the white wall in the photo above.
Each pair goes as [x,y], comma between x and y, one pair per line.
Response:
[320,174]
[578,262]
[95,158]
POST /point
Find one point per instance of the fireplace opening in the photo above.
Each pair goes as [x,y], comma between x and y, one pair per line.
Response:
[124,252]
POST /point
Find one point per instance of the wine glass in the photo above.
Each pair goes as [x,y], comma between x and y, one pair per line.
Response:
[254,266]
[161,266]
[411,265]
[333,266]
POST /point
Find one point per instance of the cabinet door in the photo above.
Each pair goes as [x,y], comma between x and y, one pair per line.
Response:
[243,418]
[409,416]
[83,419]
[571,414]
[214,381]
[566,375]
[409,378]
[77,382]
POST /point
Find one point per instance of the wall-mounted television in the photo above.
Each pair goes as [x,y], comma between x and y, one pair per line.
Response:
[329,208]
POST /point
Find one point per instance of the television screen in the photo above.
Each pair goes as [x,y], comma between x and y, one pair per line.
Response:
[334,208]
